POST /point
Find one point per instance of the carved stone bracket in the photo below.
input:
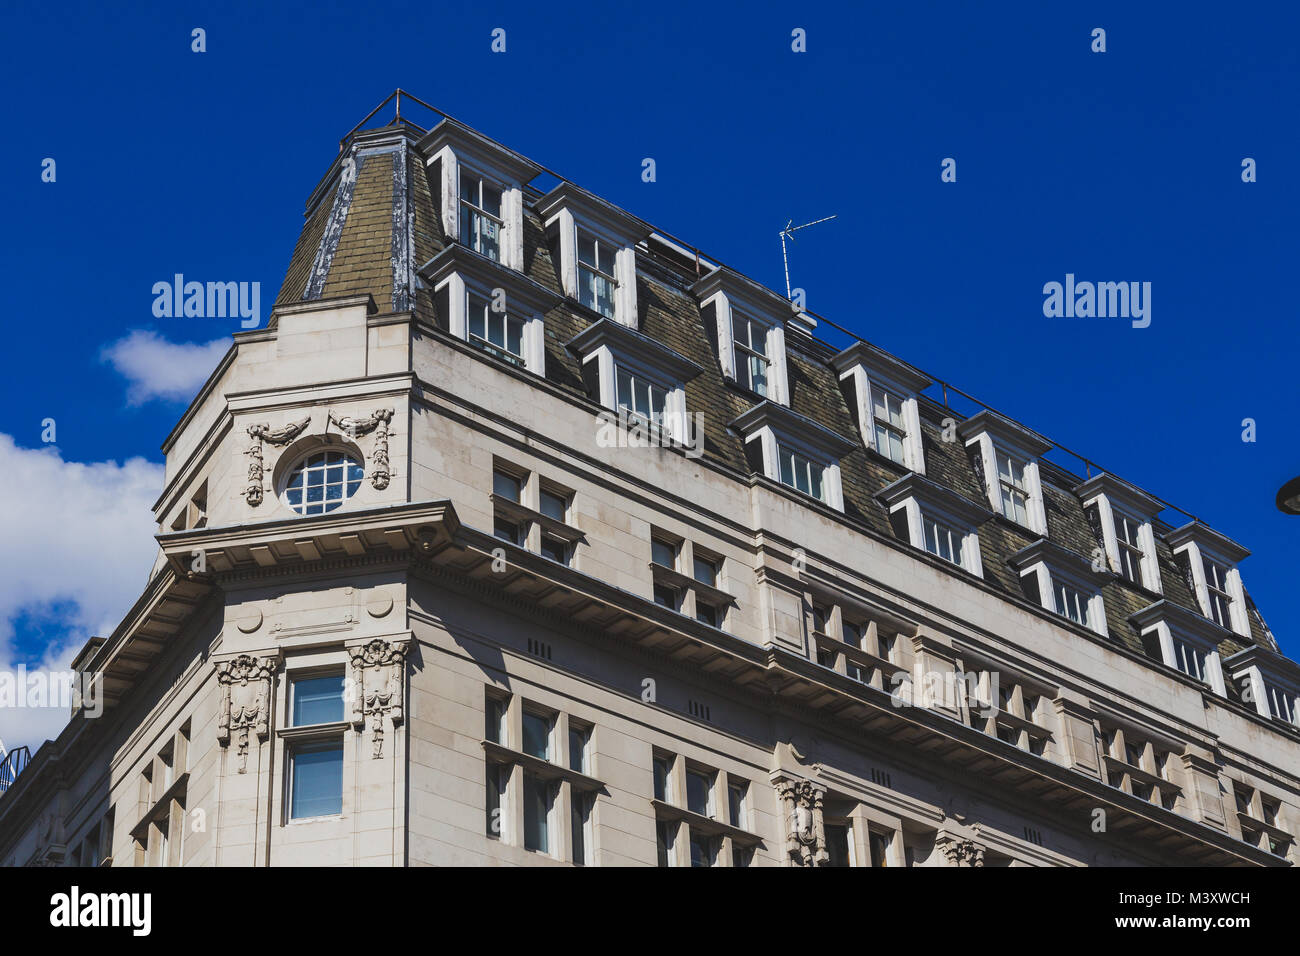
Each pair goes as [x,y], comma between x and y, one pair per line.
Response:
[264,433]
[378,677]
[245,701]
[805,831]
[961,852]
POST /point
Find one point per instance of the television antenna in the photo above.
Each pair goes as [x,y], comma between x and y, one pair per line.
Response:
[788,233]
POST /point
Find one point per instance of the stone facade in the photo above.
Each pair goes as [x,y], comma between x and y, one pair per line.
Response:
[563,679]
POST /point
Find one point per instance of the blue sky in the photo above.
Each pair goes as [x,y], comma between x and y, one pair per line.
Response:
[1123,165]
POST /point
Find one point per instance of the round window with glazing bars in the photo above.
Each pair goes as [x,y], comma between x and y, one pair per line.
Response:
[322,482]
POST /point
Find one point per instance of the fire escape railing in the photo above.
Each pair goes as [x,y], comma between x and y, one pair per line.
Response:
[12,766]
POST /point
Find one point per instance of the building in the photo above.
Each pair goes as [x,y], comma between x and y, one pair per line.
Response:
[525,534]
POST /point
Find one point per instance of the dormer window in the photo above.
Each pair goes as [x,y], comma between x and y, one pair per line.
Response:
[1129,547]
[479,188]
[801,472]
[1185,640]
[496,331]
[1216,585]
[752,364]
[638,395]
[1121,518]
[639,378]
[1269,682]
[1006,454]
[747,324]
[795,451]
[490,307]
[1063,582]
[481,224]
[1013,490]
[936,519]
[596,282]
[888,427]
[594,244]
[1209,560]
[882,392]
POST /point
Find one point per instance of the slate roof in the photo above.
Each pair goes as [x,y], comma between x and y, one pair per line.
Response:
[363,262]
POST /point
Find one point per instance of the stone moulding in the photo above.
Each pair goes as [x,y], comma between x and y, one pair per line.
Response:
[377,681]
[245,701]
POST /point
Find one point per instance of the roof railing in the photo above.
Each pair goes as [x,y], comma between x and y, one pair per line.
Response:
[12,766]
[1089,465]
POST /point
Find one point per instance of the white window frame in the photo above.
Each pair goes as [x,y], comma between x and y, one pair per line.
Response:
[1265,671]
[1198,542]
[457,272]
[732,296]
[1113,500]
[567,210]
[992,436]
[1047,564]
[1172,627]
[607,346]
[458,150]
[863,368]
[491,316]
[476,209]
[918,499]
[773,427]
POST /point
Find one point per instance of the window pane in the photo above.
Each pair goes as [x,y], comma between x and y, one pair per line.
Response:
[661,552]
[318,700]
[538,799]
[837,845]
[507,486]
[662,769]
[699,789]
[537,735]
[553,505]
[706,572]
[702,850]
[578,749]
[317,788]
[736,805]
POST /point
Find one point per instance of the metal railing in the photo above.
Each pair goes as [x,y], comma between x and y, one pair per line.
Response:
[12,766]
[947,389]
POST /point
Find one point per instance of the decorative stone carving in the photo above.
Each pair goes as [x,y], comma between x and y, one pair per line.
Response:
[378,423]
[264,433]
[245,701]
[378,676]
[805,831]
[961,852]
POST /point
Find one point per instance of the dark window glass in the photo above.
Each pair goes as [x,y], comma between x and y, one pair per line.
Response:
[837,844]
[505,485]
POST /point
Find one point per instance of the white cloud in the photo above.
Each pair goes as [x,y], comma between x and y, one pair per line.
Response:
[157,368]
[78,546]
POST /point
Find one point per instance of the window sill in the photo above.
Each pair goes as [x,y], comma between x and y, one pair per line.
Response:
[702,824]
[498,754]
[1120,766]
[663,574]
[513,509]
[161,809]
[313,731]
[1254,823]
